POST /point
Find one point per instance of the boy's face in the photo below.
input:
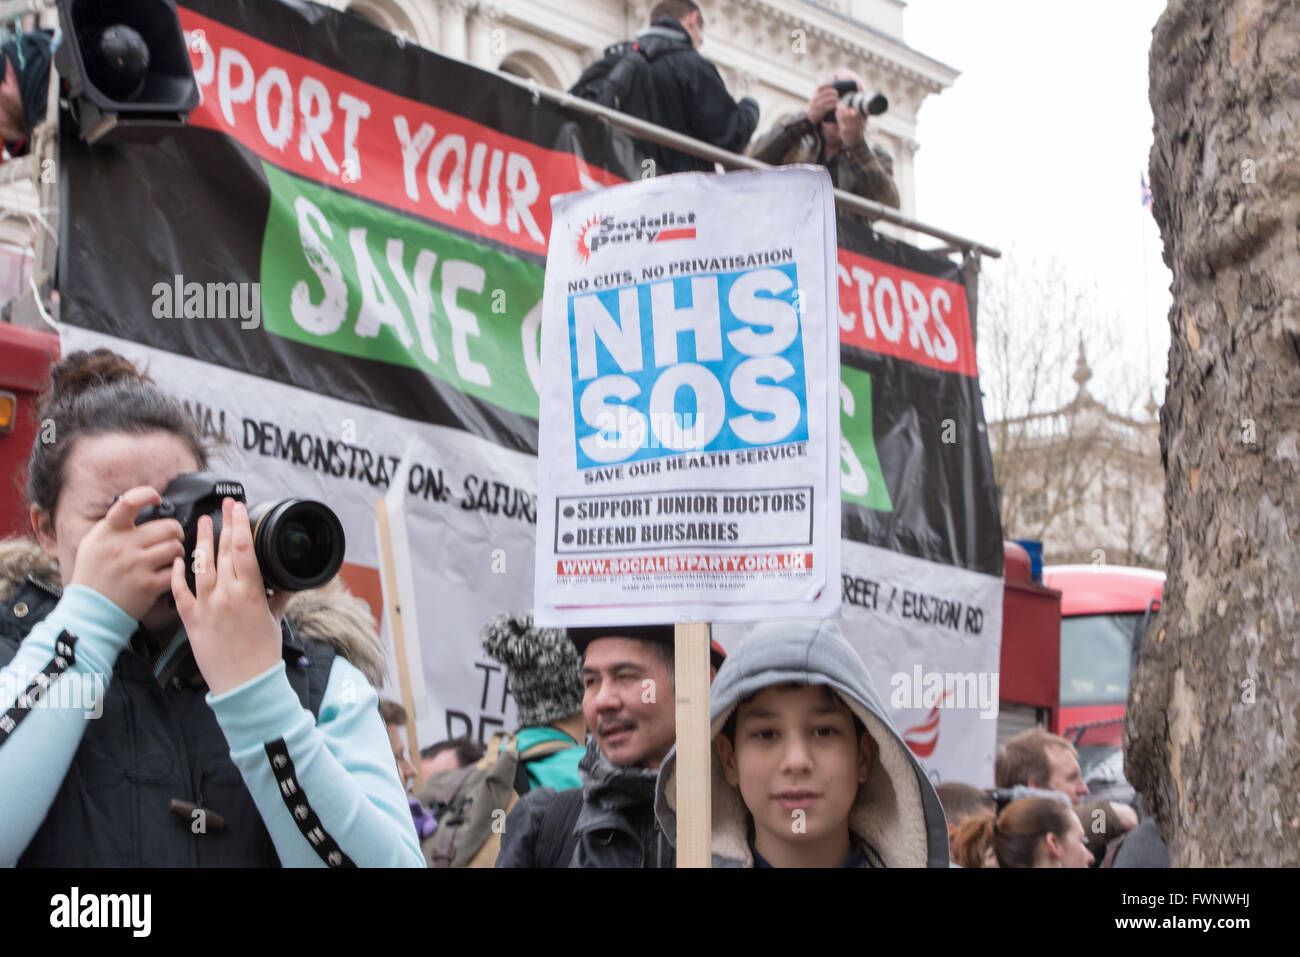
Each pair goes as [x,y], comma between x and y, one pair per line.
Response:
[797,761]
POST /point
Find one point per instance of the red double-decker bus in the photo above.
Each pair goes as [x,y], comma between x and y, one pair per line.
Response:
[1105,610]
[1069,645]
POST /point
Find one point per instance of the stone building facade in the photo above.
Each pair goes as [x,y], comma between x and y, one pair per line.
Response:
[1085,481]
[774,50]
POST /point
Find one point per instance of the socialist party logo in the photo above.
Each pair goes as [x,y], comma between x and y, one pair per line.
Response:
[601,231]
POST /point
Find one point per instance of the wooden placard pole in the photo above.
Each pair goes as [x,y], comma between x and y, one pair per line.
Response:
[694,747]
[393,600]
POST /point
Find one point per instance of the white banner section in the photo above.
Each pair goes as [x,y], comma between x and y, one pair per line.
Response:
[930,635]
[688,464]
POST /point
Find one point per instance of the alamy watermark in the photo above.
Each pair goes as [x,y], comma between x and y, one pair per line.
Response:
[628,428]
[74,691]
[945,689]
[179,299]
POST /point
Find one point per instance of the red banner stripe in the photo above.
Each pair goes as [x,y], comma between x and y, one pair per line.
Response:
[328,127]
[905,314]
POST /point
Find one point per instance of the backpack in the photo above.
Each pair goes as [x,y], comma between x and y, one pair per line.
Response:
[621,80]
[470,804]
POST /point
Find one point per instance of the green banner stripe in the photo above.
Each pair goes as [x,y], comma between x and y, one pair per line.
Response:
[861,479]
[342,274]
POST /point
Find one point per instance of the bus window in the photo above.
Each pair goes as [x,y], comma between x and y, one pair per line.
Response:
[1095,656]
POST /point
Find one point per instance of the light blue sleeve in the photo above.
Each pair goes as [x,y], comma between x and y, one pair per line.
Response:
[328,791]
[39,738]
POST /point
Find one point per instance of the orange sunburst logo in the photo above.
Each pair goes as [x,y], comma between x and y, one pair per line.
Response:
[923,738]
[584,238]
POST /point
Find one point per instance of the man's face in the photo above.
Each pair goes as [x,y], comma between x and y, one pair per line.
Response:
[694,24]
[627,699]
[1066,775]
[445,760]
[797,761]
[405,769]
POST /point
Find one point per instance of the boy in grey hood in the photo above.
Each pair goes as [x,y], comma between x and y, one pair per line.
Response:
[895,818]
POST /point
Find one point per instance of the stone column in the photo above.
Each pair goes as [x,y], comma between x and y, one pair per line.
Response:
[454,39]
[482,20]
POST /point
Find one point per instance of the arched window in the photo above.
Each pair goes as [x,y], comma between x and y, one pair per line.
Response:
[387,15]
[530,66]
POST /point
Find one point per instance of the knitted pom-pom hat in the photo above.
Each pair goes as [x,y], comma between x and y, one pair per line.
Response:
[545,667]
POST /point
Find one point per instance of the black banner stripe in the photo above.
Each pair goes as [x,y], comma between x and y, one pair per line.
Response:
[943,509]
[861,238]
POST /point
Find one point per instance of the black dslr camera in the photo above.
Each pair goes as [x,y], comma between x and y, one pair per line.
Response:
[298,543]
[868,104]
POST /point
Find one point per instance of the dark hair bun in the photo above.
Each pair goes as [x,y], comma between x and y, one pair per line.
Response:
[82,371]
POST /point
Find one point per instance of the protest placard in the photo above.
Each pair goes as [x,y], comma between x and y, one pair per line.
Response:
[688,455]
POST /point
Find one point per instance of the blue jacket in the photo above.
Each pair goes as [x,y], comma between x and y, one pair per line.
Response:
[111,761]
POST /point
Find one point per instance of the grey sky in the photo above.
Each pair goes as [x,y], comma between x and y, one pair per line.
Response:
[1038,147]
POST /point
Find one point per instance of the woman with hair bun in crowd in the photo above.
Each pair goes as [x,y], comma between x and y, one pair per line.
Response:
[143,723]
[1030,832]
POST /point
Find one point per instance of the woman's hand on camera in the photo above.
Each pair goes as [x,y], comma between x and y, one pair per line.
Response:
[128,564]
[231,628]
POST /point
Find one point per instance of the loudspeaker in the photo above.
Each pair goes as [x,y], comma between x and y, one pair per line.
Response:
[127,68]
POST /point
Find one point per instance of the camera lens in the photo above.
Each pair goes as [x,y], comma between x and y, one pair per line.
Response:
[299,543]
[294,543]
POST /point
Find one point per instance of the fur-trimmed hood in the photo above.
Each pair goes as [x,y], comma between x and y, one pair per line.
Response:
[331,613]
[897,810]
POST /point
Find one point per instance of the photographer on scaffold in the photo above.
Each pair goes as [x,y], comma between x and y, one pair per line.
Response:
[219,734]
[831,132]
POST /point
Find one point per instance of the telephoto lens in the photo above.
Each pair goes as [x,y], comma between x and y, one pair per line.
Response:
[299,543]
[868,104]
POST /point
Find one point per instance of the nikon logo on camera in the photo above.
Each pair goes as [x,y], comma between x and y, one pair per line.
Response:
[231,489]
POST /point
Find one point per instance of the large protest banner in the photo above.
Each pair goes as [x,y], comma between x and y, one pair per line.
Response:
[345,251]
[686,457]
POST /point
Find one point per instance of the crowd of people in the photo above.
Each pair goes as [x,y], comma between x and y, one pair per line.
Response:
[1037,815]
[808,769]
[681,90]
[240,727]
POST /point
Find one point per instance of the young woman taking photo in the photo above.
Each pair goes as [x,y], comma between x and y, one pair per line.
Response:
[206,730]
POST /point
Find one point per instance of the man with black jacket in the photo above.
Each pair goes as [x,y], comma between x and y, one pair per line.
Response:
[692,98]
[629,706]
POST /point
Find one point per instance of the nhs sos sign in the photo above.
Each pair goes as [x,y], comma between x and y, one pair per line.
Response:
[707,362]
